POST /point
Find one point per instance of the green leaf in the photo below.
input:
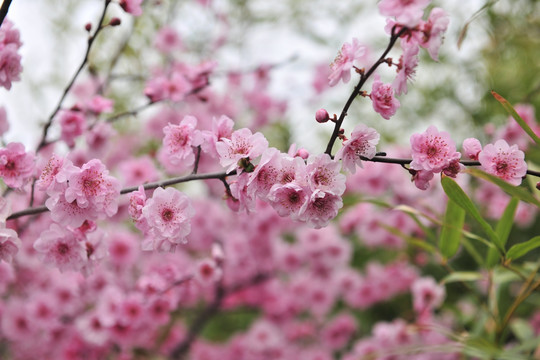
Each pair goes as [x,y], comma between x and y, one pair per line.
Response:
[510,109]
[516,191]
[455,193]
[451,231]
[519,250]
[460,276]
[503,228]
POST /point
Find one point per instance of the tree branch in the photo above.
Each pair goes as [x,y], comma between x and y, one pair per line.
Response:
[356,91]
[4,11]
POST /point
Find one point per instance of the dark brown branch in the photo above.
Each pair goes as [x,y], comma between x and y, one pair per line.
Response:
[221,176]
[212,309]
[383,159]
[4,11]
[91,39]
[361,82]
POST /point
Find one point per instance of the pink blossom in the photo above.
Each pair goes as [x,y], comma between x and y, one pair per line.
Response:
[10,65]
[471,148]
[288,199]
[168,214]
[179,141]
[343,63]
[266,172]
[178,86]
[98,104]
[407,12]
[156,89]
[427,294]
[320,208]
[4,124]
[242,145]
[137,171]
[244,198]
[222,128]
[137,201]
[337,333]
[9,244]
[73,124]
[432,150]
[363,143]
[93,187]
[433,31]
[9,35]
[207,272]
[406,67]
[383,100]
[16,165]
[167,40]
[60,247]
[323,173]
[504,161]
[132,7]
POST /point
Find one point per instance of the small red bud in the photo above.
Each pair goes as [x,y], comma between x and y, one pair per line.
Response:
[322,116]
[88,27]
[115,21]
[538,185]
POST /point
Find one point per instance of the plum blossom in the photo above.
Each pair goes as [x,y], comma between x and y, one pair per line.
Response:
[60,247]
[504,161]
[406,67]
[427,294]
[16,165]
[167,40]
[383,100]
[320,208]
[323,174]
[288,199]
[177,150]
[132,7]
[242,145]
[9,243]
[73,124]
[433,30]
[406,12]
[222,127]
[10,65]
[363,142]
[343,63]
[471,148]
[168,214]
[432,150]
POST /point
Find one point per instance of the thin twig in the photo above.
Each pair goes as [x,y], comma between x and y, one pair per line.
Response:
[91,39]
[221,176]
[356,91]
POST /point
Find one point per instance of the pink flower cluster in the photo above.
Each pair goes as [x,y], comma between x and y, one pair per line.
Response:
[164,218]
[306,192]
[10,60]
[17,166]
[77,194]
[433,152]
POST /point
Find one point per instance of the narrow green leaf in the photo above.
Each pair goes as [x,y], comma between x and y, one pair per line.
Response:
[515,191]
[503,228]
[454,192]
[454,218]
[519,250]
[510,109]
[460,276]
[468,246]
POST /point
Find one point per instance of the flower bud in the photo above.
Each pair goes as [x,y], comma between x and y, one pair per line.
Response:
[88,27]
[115,21]
[322,116]
[303,153]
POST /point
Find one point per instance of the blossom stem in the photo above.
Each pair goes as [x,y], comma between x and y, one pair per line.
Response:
[383,159]
[168,182]
[358,87]
[4,11]
[91,39]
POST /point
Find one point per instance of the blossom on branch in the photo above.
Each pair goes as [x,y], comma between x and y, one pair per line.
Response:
[16,165]
[432,150]
[343,63]
[363,143]
[243,145]
[406,12]
[383,100]
[504,161]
